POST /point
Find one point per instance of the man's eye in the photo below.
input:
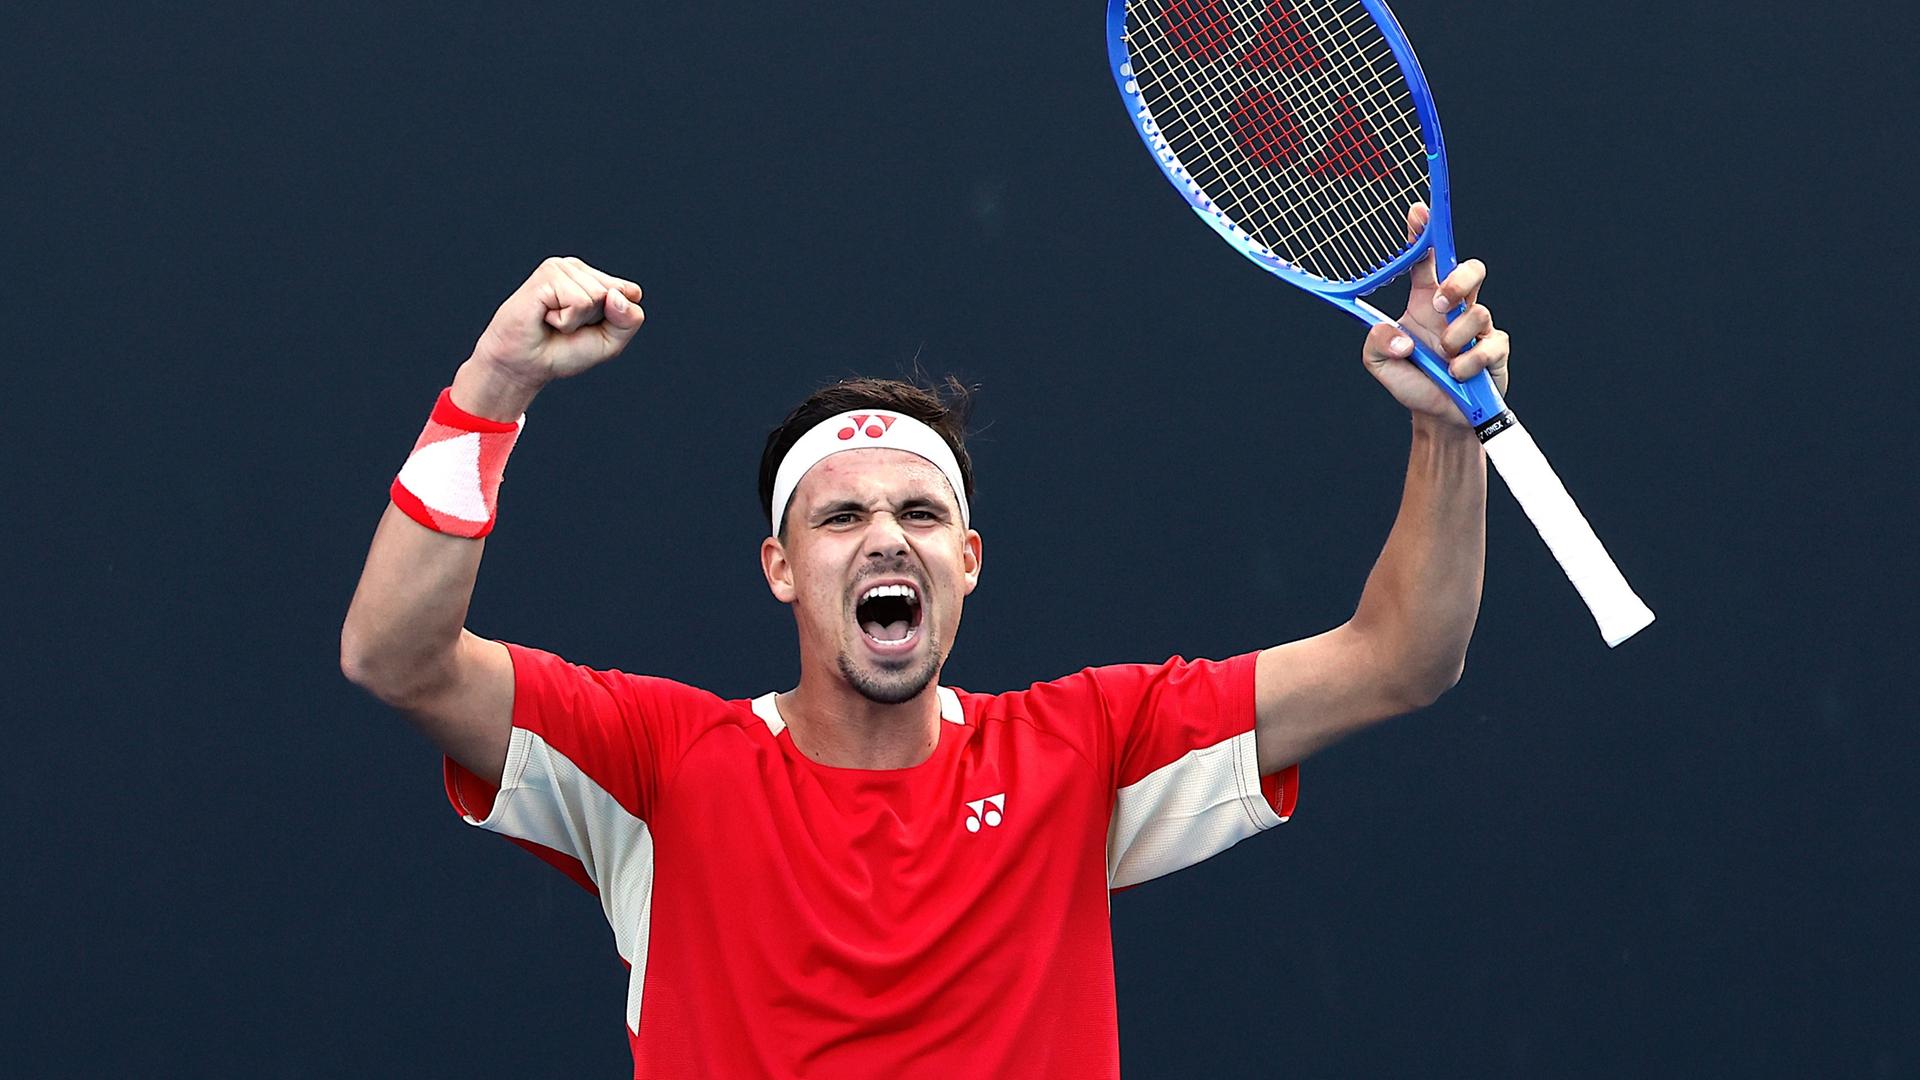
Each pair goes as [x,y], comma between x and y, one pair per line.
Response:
[842,518]
[920,515]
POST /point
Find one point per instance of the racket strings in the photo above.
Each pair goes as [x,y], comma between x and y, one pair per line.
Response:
[1347,145]
[1357,146]
[1293,119]
[1350,148]
[1267,130]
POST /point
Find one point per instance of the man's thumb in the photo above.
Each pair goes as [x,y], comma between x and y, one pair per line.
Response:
[623,316]
[1385,343]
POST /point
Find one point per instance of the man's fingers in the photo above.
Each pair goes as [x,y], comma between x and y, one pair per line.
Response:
[549,299]
[1463,283]
[577,298]
[1430,299]
[1461,287]
[559,289]
[612,304]
[1422,276]
[1473,323]
[589,283]
[621,285]
[625,288]
[1489,354]
[574,294]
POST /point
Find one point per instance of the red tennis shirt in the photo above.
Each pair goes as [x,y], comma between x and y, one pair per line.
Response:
[786,918]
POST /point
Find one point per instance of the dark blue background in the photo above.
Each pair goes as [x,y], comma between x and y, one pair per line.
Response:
[248,244]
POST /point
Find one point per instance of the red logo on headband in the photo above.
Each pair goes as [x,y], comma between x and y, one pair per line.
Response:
[872,425]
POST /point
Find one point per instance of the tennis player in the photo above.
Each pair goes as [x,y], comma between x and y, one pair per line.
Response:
[871,874]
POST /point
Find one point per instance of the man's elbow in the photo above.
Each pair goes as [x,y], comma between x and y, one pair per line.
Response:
[393,679]
[360,664]
[1427,686]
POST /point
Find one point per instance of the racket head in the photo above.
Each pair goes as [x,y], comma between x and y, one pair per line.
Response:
[1200,79]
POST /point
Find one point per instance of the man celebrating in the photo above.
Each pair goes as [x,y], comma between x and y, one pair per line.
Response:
[872,874]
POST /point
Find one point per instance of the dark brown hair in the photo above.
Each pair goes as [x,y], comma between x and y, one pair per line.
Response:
[943,408]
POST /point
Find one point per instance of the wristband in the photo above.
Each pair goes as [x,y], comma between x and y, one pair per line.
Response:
[451,481]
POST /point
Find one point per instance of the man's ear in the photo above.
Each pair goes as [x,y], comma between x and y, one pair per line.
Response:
[970,561]
[778,571]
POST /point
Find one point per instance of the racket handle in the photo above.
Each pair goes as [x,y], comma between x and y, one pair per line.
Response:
[1620,613]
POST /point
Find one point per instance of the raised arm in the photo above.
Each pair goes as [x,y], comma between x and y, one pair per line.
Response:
[1407,641]
[404,640]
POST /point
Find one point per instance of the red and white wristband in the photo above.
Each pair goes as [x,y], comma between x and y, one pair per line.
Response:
[451,481]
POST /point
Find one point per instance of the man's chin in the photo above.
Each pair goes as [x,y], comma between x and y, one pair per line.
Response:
[890,682]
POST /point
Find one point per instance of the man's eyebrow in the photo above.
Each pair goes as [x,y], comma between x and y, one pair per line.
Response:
[918,501]
[839,506]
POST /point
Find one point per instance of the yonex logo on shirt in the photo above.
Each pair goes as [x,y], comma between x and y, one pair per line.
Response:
[987,810]
[872,425]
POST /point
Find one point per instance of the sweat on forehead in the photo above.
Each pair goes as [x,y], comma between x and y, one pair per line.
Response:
[865,429]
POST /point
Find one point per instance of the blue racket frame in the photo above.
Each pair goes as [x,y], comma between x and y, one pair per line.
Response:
[1476,397]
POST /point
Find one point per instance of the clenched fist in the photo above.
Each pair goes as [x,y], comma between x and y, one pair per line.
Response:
[564,319]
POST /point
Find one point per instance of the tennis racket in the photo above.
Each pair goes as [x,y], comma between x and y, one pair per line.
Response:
[1300,131]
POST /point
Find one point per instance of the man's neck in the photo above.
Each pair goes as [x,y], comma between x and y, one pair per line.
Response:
[834,724]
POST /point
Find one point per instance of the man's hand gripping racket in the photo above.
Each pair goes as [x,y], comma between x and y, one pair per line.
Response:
[1471,340]
[1301,131]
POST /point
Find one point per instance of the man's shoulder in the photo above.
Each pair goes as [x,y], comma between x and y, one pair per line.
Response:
[1112,691]
[1089,684]
[1068,707]
[635,693]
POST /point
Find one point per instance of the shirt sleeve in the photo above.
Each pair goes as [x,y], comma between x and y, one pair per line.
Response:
[584,763]
[1178,743]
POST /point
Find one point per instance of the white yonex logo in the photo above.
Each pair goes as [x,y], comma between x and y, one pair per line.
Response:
[987,809]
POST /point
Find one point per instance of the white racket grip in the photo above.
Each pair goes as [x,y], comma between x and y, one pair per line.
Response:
[1620,613]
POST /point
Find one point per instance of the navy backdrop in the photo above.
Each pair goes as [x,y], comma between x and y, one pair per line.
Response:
[247,244]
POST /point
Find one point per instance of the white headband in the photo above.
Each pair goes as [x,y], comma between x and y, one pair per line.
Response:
[864,430]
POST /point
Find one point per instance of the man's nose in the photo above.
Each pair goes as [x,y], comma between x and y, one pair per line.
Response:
[885,539]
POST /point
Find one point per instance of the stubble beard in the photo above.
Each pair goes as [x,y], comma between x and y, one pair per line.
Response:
[891,687]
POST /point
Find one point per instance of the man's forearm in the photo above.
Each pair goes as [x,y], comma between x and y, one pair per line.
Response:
[411,604]
[1407,641]
[1423,596]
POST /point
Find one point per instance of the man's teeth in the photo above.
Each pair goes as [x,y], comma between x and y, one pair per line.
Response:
[901,618]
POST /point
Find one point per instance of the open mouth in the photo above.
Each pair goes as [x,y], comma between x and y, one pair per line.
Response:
[889,615]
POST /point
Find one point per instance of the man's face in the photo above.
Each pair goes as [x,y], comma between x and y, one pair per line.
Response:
[876,564]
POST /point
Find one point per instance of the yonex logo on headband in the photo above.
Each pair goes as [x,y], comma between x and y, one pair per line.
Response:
[857,424]
[862,431]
